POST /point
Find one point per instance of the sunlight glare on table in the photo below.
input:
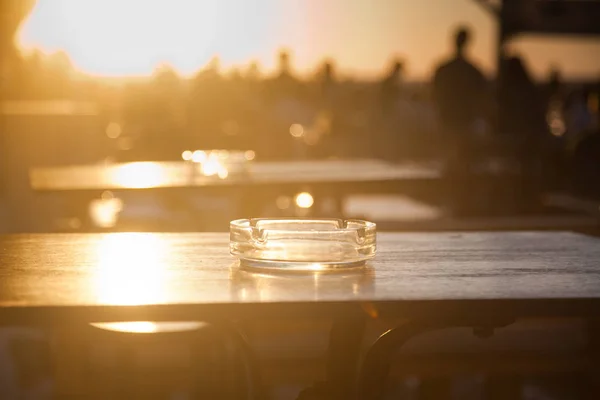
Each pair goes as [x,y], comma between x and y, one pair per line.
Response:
[131,269]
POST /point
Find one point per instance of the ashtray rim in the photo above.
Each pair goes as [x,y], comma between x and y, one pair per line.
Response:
[247,223]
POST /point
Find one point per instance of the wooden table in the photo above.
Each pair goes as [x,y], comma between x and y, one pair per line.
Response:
[433,280]
[251,187]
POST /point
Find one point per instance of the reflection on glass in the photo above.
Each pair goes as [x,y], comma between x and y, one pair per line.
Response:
[149,327]
[140,175]
[254,286]
[131,269]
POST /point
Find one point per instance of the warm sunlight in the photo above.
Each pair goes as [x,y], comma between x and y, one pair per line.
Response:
[131,269]
[149,326]
[140,175]
[134,37]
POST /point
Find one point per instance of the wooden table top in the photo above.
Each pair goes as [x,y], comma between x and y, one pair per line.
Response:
[143,175]
[53,278]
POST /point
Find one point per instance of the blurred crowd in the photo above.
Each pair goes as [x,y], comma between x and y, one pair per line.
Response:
[283,115]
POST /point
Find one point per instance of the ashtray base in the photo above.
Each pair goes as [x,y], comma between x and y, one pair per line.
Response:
[301,266]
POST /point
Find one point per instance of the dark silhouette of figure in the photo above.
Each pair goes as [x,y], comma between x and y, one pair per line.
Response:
[285,100]
[284,84]
[460,96]
[522,113]
[326,116]
[253,72]
[554,87]
[207,106]
[555,103]
[597,90]
[460,90]
[585,145]
[522,120]
[327,85]
[327,77]
[391,87]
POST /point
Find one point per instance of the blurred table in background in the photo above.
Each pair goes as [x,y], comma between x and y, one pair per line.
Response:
[408,196]
[146,175]
[226,187]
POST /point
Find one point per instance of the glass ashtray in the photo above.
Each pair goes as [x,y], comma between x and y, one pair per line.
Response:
[298,244]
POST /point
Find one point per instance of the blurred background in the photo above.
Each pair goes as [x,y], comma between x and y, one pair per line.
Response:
[183,115]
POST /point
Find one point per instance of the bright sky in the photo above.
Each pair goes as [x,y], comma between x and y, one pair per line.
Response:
[132,37]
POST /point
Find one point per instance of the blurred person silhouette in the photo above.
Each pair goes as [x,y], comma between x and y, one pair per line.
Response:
[289,107]
[596,91]
[391,87]
[460,90]
[326,88]
[327,80]
[252,73]
[323,126]
[579,116]
[522,121]
[391,111]
[285,83]
[207,106]
[555,103]
[584,146]
[460,95]
[554,86]
[251,107]
[522,112]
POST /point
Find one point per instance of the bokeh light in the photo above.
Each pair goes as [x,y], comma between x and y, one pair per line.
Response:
[304,200]
[296,130]
[198,156]
[186,155]
[250,155]
[113,130]
[104,212]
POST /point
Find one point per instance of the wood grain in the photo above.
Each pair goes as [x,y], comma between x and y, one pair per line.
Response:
[128,276]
